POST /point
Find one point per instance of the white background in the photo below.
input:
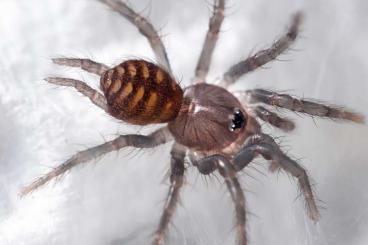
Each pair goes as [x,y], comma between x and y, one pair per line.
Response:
[118,199]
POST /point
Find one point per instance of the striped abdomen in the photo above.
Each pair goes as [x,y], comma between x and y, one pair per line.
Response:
[140,92]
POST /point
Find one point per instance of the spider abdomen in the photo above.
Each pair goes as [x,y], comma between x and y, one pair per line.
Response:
[140,92]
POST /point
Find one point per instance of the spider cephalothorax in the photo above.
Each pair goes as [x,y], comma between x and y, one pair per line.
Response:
[214,128]
[210,119]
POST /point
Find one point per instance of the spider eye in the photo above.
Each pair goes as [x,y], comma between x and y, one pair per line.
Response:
[238,121]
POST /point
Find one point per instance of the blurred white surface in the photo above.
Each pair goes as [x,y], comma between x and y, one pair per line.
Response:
[118,200]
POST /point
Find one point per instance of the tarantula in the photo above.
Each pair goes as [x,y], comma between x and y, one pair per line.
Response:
[214,128]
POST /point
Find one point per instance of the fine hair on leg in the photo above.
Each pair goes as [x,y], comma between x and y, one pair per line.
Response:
[228,171]
[301,105]
[144,27]
[156,138]
[209,44]
[274,119]
[262,57]
[176,182]
[266,146]
[85,64]
[95,97]
[209,164]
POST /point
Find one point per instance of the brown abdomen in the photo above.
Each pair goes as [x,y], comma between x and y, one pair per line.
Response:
[140,92]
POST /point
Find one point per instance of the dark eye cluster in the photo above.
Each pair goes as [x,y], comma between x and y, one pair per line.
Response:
[238,121]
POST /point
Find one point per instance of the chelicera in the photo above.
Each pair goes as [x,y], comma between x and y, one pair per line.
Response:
[215,129]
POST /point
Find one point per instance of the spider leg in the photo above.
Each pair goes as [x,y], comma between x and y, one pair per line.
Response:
[266,146]
[176,182]
[205,165]
[227,170]
[264,56]
[303,106]
[144,27]
[96,97]
[209,164]
[156,138]
[210,41]
[86,64]
[272,118]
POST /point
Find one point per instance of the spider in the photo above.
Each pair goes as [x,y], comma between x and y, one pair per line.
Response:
[215,129]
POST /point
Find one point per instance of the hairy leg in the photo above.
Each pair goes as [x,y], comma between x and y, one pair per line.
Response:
[205,165]
[227,170]
[209,164]
[274,119]
[303,106]
[264,56]
[86,64]
[144,27]
[266,146]
[158,137]
[176,182]
[96,97]
[210,41]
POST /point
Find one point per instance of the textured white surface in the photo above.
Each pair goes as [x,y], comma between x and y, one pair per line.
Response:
[119,199]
